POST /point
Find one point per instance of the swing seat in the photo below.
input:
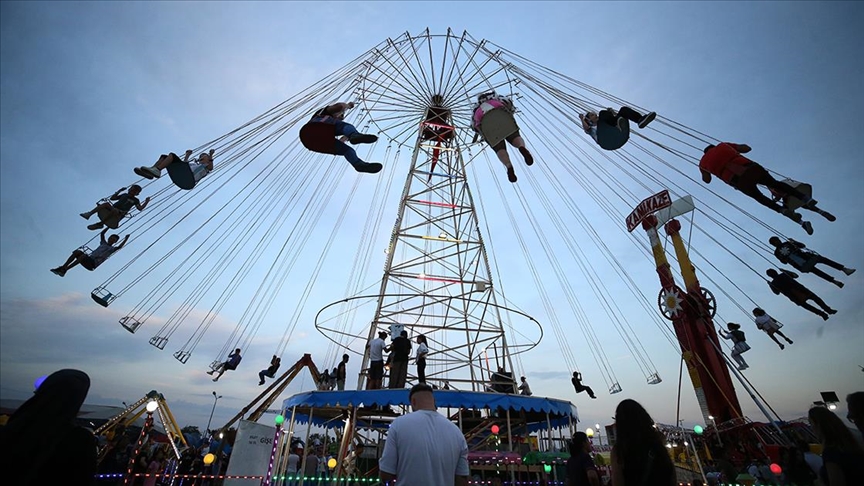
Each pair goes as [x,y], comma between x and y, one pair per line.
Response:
[102,296]
[159,341]
[181,174]
[497,125]
[794,203]
[110,218]
[182,356]
[130,323]
[319,137]
[613,138]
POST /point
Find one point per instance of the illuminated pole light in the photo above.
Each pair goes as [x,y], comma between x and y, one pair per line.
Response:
[280,419]
[589,432]
[148,423]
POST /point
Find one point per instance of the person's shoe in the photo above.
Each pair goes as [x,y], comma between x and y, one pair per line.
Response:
[832,311]
[260,383]
[838,283]
[789,341]
[828,216]
[210,372]
[824,316]
[511,174]
[86,215]
[369,167]
[529,159]
[362,138]
[791,214]
[94,226]
[848,271]
[58,271]
[148,172]
[807,227]
[594,397]
[216,379]
[781,346]
[742,367]
[647,119]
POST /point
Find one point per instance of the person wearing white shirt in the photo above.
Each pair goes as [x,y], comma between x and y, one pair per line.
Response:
[376,359]
[524,389]
[422,351]
[424,448]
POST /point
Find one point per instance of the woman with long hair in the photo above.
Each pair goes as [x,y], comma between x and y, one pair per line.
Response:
[842,456]
[639,456]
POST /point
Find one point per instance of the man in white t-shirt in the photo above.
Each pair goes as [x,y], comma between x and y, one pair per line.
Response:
[424,448]
[376,359]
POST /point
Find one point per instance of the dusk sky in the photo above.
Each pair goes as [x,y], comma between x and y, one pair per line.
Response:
[90,90]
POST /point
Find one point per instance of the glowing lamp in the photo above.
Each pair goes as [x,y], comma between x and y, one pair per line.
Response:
[280,419]
[38,382]
[832,406]
[776,469]
[589,432]
[331,463]
[698,429]
[495,429]
[547,468]
[208,459]
[152,405]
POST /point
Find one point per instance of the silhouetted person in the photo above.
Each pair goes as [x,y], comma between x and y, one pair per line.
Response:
[275,361]
[579,387]
[855,407]
[41,444]
[842,455]
[233,360]
[639,456]
[739,343]
[726,162]
[795,253]
[784,283]
[770,326]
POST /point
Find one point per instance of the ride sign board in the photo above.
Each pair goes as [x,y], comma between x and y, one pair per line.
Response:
[678,207]
[251,453]
[652,204]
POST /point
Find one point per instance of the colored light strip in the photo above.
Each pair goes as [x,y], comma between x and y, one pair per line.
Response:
[435,174]
[437,279]
[437,204]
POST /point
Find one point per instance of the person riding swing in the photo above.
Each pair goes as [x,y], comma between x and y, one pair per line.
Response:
[318,136]
[739,343]
[184,173]
[493,120]
[611,129]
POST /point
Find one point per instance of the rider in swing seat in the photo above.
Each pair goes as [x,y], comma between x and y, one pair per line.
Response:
[610,128]
[492,104]
[184,173]
[335,115]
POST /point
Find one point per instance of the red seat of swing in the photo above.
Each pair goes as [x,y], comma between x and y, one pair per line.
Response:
[319,137]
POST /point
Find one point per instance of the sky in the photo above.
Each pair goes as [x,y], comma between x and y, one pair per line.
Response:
[90,90]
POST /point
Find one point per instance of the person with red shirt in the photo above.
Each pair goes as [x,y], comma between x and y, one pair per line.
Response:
[726,162]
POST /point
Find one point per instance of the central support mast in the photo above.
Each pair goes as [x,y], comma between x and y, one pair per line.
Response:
[691,310]
[437,279]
